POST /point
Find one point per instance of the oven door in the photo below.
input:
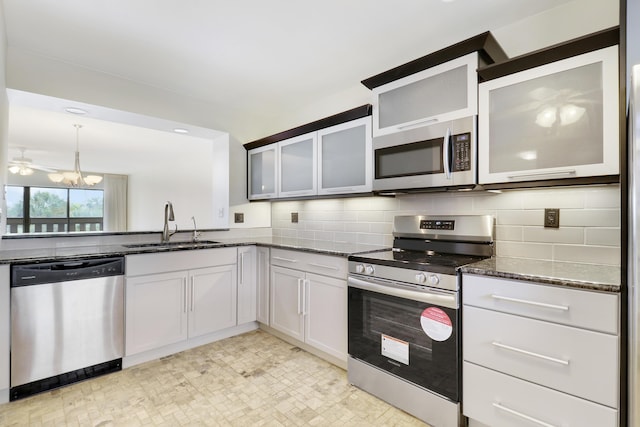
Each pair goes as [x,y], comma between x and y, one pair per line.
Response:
[439,155]
[410,334]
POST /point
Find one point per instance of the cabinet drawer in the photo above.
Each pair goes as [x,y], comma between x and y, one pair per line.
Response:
[583,363]
[584,309]
[179,260]
[310,262]
[499,400]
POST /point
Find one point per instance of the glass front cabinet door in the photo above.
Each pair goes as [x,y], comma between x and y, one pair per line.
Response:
[558,120]
[262,172]
[345,158]
[298,166]
[444,92]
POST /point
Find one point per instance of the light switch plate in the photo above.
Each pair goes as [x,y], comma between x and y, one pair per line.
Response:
[552,218]
[294,217]
[238,217]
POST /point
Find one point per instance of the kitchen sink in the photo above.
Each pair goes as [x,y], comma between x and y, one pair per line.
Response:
[169,245]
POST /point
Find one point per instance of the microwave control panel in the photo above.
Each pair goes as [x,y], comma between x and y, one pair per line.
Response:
[461,152]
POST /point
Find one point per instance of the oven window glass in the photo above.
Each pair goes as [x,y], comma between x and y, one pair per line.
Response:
[418,158]
[393,334]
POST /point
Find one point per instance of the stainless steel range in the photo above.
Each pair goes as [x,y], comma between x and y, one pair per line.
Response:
[404,314]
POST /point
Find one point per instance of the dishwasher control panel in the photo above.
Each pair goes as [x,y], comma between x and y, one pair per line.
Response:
[62,271]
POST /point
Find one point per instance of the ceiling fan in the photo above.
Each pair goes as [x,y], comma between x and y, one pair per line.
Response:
[24,166]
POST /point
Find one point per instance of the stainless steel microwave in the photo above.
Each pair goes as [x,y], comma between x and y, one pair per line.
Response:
[438,155]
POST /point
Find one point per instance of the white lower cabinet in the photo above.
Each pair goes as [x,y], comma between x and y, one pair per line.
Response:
[262,284]
[247,298]
[310,307]
[498,400]
[532,357]
[195,299]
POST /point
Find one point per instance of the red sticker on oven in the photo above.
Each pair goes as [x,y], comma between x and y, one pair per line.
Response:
[436,324]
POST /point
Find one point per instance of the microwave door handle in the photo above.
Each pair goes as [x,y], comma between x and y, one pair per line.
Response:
[445,154]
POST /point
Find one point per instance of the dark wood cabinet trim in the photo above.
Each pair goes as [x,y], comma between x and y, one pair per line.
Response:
[588,180]
[336,119]
[485,44]
[574,47]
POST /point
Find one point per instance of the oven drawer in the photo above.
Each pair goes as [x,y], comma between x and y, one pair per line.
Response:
[489,397]
[326,265]
[576,361]
[584,309]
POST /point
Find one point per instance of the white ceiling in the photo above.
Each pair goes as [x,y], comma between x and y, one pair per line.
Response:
[259,59]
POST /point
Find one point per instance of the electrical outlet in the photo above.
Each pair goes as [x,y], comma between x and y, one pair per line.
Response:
[294,217]
[238,217]
[552,218]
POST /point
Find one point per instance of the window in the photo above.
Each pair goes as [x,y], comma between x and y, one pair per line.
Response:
[51,210]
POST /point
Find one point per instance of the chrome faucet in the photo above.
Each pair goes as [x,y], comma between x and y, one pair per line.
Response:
[196,233]
[168,216]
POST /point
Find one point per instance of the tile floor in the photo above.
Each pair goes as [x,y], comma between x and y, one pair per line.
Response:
[254,379]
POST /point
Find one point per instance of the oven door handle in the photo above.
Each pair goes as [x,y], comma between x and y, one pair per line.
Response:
[441,298]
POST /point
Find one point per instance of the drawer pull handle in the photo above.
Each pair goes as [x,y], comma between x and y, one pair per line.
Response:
[537,304]
[329,267]
[530,353]
[521,415]
[285,259]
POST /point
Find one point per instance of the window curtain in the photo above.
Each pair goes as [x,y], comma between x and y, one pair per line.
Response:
[115,202]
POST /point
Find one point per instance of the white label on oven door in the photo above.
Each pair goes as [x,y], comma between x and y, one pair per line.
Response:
[395,349]
[436,324]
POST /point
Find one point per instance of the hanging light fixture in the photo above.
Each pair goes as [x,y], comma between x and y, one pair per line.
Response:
[75,178]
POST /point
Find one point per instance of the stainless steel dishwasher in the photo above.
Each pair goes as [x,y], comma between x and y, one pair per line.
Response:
[67,323]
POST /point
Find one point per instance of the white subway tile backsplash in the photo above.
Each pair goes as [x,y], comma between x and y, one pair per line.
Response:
[493,201]
[570,235]
[603,236]
[529,217]
[509,232]
[542,251]
[556,198]
[371,216]
[357,227]
[603,197]
[588,254]
[589,220]
[370,239]
[370,203]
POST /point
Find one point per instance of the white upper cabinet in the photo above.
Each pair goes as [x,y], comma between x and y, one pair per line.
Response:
[297,168]
[262,172]
[558,120]
[444,92]
[345,158]
[329,156]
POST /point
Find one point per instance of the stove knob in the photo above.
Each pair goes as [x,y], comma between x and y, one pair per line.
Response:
[368,269]
[359,268]
[434,280]
[421,278]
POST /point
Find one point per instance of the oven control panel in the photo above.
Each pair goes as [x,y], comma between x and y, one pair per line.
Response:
[405,276]
[437,224]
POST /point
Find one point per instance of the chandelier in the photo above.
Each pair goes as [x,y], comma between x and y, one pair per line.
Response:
[75,178]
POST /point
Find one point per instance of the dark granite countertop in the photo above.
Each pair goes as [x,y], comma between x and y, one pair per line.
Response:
[31,255]
[592,277]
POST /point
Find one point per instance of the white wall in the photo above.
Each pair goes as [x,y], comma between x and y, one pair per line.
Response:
[589,220]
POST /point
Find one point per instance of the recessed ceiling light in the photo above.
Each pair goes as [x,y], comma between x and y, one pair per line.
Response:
[181,130]
[73,110]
